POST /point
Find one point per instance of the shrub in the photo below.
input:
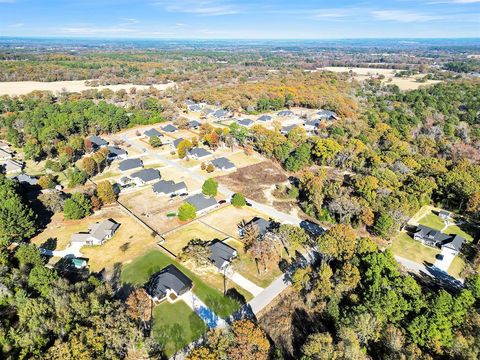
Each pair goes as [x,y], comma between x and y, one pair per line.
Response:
[238,200]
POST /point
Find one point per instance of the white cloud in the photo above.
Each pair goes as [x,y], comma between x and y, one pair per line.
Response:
[333,13]
[17,25]
[403,16]
[200,7]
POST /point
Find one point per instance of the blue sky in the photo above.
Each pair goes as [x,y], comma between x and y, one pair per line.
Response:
[216,19]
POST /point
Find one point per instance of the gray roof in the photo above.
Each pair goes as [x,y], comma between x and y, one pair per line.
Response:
[168,187]
[327,114]
[201,202]
[27,179]
[313,123]
[97,141]
[176,142]
[169,128]
[245,122]
[130,164]
[285,113]
[114,150]
[199,152]
[263,226]
[220,113]
[440,239]
[153,132]
[194,124]
[265,118]
[100,230]
[147,175]
[444,213]
[287,129]
[189,102]
[223,163]
[195,107]
[221,253]
[169,278]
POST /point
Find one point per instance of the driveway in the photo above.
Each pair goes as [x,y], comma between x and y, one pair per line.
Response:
[206,314]
[73,250]
[243,282]
[448,256]
[259,302]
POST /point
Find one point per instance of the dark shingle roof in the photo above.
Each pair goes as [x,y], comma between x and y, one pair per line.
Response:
[169,128]
[201,202]
[130,164]
[327,114]
[265,118]
[169,278]
[263,226]
[245,122]
[285,113]
[287,129]
[194,124]
[440,239]
[223,163]
[176,142]
[114,150]
[147,175]
[152,133]
[221,253]
[168,187]
[97,141]
[220,113]
[199,152]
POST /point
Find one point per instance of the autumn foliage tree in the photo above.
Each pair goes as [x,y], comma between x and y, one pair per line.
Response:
[105,192]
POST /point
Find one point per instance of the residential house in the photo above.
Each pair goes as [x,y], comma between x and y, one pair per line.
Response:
[169,281]
[220,114]
[221,254]
[194,124]
[97,142]
[311,125]
[10,166]
[327,115]
[176,142]
[265,228]
[444,215]
[169,188]
[152,133]
[223,164]
[116,153]
[286,129]
[145,176]
[285,113]
[436,238]
[130,164]
[199,153]
[264,118]
[202,203]
[98,233]
[170,128]
[5,154]
[245,122]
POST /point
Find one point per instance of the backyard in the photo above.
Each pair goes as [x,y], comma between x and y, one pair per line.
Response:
[175,326]
[139,271]
[403,245]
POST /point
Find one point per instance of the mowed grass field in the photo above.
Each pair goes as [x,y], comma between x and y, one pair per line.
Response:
[403,245]
[139,271]
[432,220]
[175,326]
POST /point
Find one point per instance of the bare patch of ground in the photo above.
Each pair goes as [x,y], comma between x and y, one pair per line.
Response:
[252,181]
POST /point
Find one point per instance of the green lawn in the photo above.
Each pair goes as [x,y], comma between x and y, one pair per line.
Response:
[139,271]
[432,220]
[175,326]
[456,267]
[454,229]
[403,245]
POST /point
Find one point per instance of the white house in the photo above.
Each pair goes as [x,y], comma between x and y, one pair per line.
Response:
[98,233]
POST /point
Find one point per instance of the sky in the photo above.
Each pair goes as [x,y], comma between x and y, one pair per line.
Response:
[241,19]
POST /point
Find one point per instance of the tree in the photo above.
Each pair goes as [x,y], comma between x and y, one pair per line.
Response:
[105,192]
[264,251]
[338,242]
[89,166]
[52,200]
[197,251]
[41,279]
[238,200]
[77,207]
[319,346]
[183,148]
[155,141]
[17,220]
[210,187]
[46,182]
[28,255]
[139,306]
[187,212]
[384,225]
[290,234]
[76,177]
[299,159]
[249,342]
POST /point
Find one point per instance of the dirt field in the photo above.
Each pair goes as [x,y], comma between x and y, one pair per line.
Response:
[24,87]
[152,209]
[227,219]
[252,181]
[404,83]
[176,240]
